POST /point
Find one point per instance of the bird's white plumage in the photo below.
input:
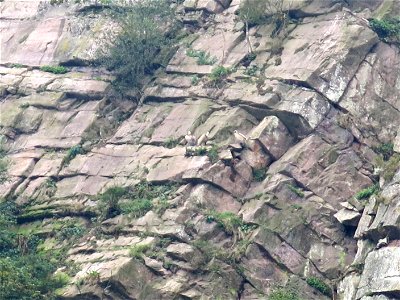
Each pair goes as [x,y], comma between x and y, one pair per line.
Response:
[203,139]
[190,139]
[240,137]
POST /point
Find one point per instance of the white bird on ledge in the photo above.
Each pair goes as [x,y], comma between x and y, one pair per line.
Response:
[240,137]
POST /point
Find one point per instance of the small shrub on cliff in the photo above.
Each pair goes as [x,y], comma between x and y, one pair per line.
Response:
[213,154]
[72,153]
[283,294]
[228,221]
[138,48]
[388,168]
[136,207]
[135,201]
[388,29]
[367,192]
[171,143]
[4,164]
[203,58]
[320,285]
[259,174]
[256,12]
[139,250]
[386,150]
[54,69]
[218,76]
[109,201]
[296,190]
[25,273]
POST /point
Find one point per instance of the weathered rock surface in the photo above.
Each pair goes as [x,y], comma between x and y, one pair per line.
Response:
[237,221]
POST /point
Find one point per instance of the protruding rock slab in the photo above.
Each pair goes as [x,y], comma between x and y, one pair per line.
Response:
[310,58]
[273,135]
[235,180]
[381,274]
[372,96]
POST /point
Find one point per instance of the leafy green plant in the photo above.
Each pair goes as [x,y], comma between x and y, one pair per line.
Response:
[54,69]
[251,71]
[282,293]
[70,230]
[320,285]
[93,275]
[230,222]
[139,250]
[367,192]
[388,168]
[388,29]
[4,163]
[213,154]
[137,208]
[195,80]
[25,273]
[139,47]
[138,200]
[109,201]
[24,105]
[17,66]
[218,75]
[248,59]
[255,12]
[296,190]
[259,174]
[386,150]
[62,278]
[196,151]
[203,58]
[72,153]
[171,143]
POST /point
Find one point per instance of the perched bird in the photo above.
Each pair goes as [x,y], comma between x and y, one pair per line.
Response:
[190,139]
[203,139]
[382,243]
[241,138]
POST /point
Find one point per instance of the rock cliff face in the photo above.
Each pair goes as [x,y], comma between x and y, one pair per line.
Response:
[316,103]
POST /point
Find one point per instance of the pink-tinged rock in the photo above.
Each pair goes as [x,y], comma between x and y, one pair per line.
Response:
[10,185]
[219,45]
[34,80]
[48,165]
[21,167]
[80,185]
[323,169]
[41,42]
[81,122]
[260,270]
[211,6]
[327,59]
[164,93]
[206,195]
[93,89]
[255,155]
[10,80]
[141,125]
[19,9]
[180,120]
[31,190]
[273,135]
[280,251]
[223,122]
[175,167]
[381,274]
[372,96]
[235,180]
[348,217]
